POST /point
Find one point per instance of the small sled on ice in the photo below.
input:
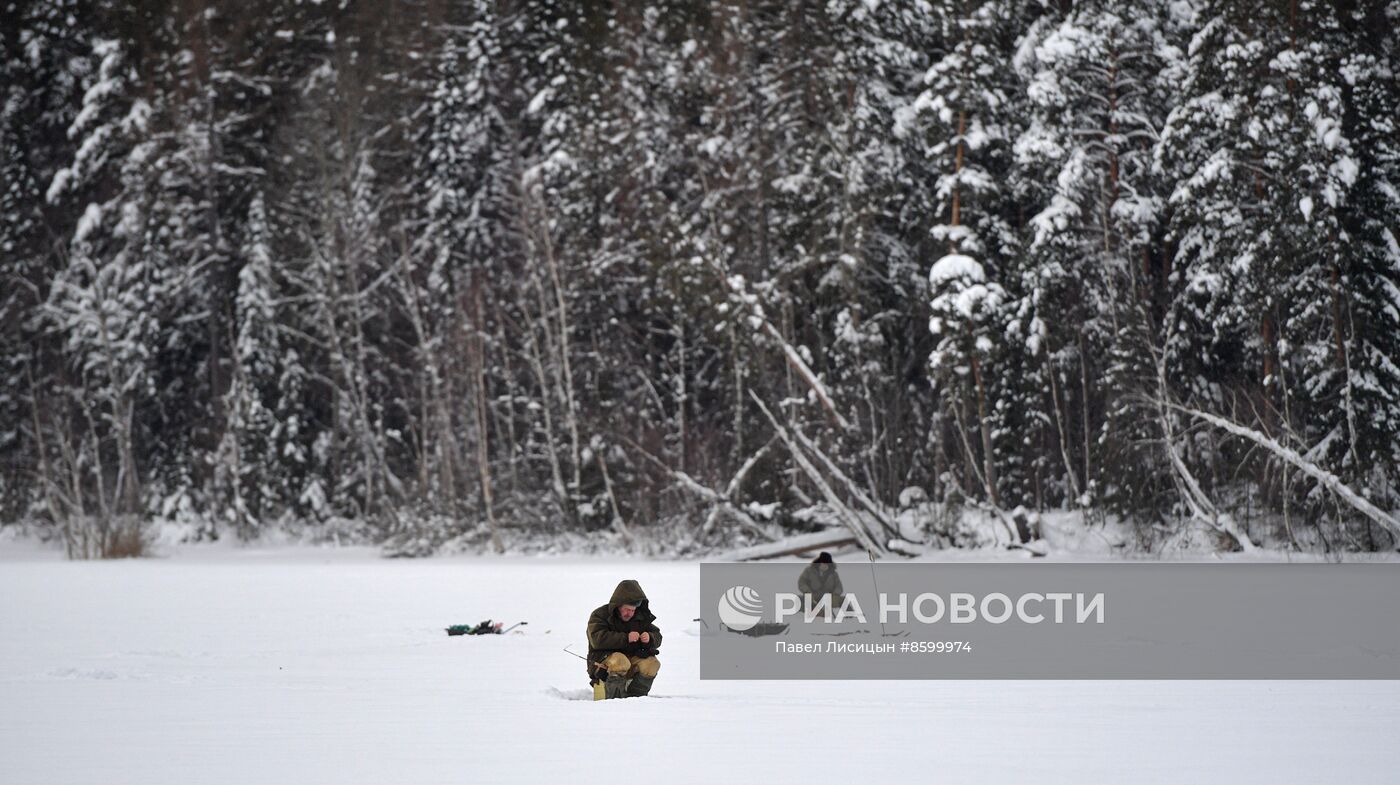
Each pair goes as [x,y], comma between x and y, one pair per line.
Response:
[484,628]
[760,630]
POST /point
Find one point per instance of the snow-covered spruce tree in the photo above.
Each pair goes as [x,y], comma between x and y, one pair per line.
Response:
[511,204]
[260,436]
[547,204]
[261,449]
[190,234]
[44,56]
[1263,171]
[350,205]
[1097,103]
[233,431]
[1366,290]
[712,125]
[727,228]
[782,122]
[1208,325]
[813,216]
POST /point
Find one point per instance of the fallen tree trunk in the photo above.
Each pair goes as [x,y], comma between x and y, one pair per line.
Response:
[791,546]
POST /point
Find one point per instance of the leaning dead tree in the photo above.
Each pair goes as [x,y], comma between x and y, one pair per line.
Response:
[722,503]
[1325,478]
[1196,499]
[872,525]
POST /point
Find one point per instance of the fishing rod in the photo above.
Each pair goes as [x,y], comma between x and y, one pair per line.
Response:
[871,554]
[585,659]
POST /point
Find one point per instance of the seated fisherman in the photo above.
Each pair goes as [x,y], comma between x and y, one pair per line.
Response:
[622,643]
[820,580]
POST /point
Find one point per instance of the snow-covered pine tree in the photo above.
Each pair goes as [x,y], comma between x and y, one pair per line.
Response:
[968,318]
[1097,104]
[966,117]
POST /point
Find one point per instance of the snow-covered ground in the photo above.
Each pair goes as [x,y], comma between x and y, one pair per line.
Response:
[222,665]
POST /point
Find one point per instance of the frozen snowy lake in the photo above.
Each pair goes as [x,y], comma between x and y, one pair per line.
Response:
[332,666]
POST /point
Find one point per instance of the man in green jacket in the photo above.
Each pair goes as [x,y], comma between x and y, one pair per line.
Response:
[622,643]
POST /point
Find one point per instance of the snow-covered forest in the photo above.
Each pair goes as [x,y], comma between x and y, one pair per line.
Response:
[685,275]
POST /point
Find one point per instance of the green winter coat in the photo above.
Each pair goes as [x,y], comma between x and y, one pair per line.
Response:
[813,584]
[607,632]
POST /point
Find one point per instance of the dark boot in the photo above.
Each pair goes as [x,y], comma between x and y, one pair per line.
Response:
[615,686]
[638,686]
